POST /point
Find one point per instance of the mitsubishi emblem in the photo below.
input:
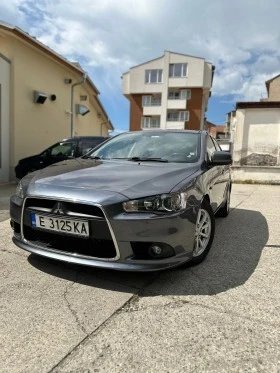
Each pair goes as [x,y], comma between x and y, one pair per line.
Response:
[58,209]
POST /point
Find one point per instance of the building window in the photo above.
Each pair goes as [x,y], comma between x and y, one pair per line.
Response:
[183,94]
[173,95]
[146,100]
[150,122]
[153,76]
[178,116]
[178,70]
[151,100]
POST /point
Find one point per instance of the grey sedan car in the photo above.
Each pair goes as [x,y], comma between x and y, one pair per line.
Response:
[142,201]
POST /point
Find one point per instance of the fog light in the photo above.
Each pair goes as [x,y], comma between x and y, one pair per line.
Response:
[151,250]
[155,251]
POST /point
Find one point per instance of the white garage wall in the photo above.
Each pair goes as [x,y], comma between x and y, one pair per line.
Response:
[4,119]
[257,137]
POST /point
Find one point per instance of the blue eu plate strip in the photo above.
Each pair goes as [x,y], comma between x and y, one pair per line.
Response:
[33,220]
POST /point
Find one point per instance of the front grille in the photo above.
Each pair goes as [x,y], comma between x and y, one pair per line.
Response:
[73,245]
[100,243]
[70,208]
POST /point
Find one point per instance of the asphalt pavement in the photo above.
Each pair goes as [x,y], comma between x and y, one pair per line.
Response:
[220,316]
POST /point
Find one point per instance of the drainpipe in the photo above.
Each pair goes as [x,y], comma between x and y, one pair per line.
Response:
[102,125]
[72,102]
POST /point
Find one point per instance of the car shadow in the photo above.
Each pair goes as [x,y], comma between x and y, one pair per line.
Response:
[235,254]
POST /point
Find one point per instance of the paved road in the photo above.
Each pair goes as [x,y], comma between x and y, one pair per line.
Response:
[220,316]
[6,190]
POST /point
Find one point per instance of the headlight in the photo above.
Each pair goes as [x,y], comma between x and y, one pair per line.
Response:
[165,202]
[19,190]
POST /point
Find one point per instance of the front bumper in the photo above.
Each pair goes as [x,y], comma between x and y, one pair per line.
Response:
[134,266]
[176,231]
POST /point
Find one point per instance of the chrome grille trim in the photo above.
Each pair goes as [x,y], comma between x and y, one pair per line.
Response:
[117,257]
[69,213]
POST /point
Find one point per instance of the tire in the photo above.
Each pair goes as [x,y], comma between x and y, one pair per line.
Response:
[19,176]
[204,233]
[224,211]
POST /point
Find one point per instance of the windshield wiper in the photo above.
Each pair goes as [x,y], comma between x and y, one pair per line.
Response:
[90,157]
[133,159]
[147,159]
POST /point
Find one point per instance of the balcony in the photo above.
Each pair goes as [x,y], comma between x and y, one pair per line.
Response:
[177,104]
[149,110]
[150,122]
[176,119]
[151,105]
[175,125]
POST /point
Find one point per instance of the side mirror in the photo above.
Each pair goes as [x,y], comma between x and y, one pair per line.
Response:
[220,158]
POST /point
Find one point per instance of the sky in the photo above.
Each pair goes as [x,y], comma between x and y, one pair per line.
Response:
[108,37]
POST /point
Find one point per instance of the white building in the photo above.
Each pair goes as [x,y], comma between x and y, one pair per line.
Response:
[169,92]
[255,132]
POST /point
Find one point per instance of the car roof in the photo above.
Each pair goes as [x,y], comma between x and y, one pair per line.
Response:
[166,131]
[85,138]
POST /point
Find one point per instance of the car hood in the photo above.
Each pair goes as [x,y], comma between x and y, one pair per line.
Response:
[131,179]
[27,159]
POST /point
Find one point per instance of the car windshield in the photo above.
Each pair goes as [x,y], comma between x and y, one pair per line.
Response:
[181,147]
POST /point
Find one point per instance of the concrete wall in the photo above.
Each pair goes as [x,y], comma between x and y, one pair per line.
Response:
[4,119]
[256,174]
[256,137]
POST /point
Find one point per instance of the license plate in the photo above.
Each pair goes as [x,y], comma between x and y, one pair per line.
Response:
[67,226]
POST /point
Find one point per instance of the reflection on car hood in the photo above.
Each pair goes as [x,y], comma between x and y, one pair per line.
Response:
[131,179]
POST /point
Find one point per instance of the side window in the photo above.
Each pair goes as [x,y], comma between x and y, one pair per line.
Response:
[63,149]
[210,147]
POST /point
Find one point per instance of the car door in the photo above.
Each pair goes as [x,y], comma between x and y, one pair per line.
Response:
[214,176]
[58,152]
[224,174]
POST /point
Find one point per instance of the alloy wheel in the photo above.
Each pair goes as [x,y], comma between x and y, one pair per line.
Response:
[202,232]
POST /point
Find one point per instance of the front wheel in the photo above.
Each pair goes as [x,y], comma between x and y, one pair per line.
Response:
[204,232]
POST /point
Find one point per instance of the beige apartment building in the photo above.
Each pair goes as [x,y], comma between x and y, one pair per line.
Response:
[273,89]
[169,92]
[43,99]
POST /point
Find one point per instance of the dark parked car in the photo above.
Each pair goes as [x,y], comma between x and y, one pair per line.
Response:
[65,149]
[142,201]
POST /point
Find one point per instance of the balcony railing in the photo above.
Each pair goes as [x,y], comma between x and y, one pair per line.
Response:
[180,116]
[150,122]
[152,103]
